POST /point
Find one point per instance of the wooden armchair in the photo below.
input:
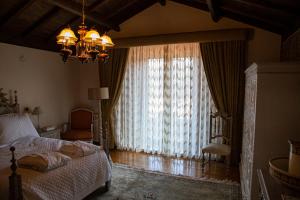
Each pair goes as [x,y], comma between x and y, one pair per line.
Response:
[218,125]
[81,125]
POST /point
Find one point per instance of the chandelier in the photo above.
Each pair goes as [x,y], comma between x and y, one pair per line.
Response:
[91,45]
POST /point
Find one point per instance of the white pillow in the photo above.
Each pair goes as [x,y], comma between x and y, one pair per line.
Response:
[14,126]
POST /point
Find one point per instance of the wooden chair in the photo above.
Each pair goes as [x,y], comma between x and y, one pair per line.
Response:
[218,125]
[81,125]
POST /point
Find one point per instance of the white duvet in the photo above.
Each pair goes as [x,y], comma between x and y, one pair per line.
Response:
[76,180]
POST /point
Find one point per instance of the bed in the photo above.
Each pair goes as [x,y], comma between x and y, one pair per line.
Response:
[76,180]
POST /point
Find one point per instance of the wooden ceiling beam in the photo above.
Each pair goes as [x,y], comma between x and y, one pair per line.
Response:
[257,22]
[93,7]
[15,11]
[36,43]
[136,7]
[55,32]
[123,8]
[214,10]
[256,16]
[290,6]
[236,11]
[162,2]
[258,9]
[51,13]
[76,9]
[200,4]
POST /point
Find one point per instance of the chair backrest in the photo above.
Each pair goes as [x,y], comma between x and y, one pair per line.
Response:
[81,118]
[220,125]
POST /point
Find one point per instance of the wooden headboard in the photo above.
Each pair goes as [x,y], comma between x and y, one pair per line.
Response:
[9,102]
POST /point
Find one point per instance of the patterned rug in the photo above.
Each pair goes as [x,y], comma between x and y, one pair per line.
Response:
[133,184]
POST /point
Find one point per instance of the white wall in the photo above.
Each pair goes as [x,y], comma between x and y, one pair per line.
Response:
[41,79]
[88,76]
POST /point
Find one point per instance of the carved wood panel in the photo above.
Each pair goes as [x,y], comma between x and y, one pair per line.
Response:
[248,135]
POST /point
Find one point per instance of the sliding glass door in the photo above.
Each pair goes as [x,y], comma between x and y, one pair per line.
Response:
[165,101]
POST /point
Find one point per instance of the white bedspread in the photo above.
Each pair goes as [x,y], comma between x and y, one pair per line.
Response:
[76,180]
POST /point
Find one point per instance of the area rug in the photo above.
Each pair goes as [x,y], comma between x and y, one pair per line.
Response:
[133,184]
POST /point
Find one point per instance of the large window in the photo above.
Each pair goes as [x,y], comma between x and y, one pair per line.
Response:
[165,101]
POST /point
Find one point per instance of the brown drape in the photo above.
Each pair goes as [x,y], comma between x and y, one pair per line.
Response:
[111,74]
[224,65]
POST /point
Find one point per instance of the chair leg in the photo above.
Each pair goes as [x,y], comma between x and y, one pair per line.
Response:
[209,158]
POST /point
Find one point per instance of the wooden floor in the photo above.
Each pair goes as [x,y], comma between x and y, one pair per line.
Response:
[175,166]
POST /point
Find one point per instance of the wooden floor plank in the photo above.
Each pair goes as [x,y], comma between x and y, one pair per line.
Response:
[176,166]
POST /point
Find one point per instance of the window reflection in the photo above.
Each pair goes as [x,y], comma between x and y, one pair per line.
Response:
[155,163]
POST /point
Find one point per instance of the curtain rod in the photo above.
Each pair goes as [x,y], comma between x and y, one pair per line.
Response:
[199,36]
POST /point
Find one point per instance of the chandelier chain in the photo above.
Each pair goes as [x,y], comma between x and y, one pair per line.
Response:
[83,14]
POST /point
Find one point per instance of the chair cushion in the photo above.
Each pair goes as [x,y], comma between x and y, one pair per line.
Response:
[77,135]
[220,149]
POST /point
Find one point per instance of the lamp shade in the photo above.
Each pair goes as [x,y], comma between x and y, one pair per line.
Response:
[98,93]
[66,36]
[92,36]
[106,41]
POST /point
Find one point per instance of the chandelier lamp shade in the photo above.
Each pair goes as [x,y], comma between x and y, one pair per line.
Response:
[90,45]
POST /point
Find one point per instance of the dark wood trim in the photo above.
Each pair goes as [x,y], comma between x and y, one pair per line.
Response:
[258,12]
[260,8]
[162,2]
[270,25]
[15,181]
[201,4]
[135,9]
[51,13]
[200,36]
[92,8]
[242,11]
[37,44]
[288,6]
[124,8]
[214,10]
[76,8]
[15,11]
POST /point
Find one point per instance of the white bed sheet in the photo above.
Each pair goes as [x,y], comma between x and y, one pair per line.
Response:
[76,180]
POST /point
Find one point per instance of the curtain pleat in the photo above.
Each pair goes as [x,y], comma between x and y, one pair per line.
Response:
[224,65]
[165,101]
[111,75]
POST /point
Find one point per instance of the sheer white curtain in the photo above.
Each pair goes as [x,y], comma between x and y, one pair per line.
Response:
[165,101]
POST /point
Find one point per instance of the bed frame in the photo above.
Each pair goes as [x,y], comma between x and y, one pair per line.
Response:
[10,105]
[15,180]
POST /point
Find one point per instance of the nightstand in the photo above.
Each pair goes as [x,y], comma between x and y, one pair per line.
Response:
[51,134]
